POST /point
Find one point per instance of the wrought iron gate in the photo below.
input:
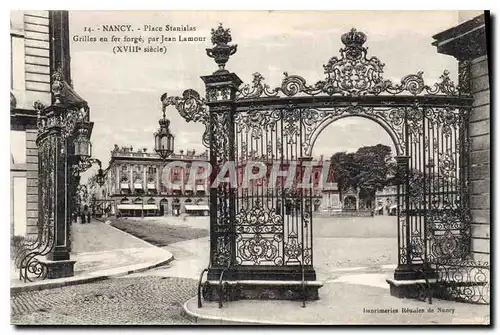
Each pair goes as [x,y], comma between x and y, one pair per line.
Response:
[259,233]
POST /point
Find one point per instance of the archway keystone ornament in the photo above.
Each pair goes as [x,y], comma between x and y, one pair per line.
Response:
[257,242]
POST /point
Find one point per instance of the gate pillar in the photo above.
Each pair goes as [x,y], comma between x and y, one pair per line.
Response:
[227,278]
[220,94]
[411,279]
[54,192]
[221,88]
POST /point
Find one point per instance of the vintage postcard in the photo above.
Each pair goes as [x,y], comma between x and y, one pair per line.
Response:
[250,167]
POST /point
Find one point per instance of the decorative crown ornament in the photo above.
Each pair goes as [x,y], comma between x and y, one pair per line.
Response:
[353,41]
[353,38]
[222,51]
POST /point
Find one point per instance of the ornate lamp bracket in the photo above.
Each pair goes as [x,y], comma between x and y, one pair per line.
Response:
[83,165]
[191,107]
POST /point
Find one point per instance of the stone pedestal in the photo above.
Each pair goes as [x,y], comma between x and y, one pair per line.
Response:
[414,272]
[59,269]
[415,281]
[263,290]
[267,283]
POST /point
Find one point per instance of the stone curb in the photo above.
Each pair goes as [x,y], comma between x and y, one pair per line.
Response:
[124,232]
[84,279]
[209,319]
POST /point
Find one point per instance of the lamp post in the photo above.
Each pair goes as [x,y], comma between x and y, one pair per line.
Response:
[164,140]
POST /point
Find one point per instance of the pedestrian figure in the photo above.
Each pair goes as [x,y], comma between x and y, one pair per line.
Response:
[85,214]
[89,214]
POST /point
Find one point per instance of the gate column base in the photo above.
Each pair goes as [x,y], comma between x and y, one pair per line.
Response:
[59,269]
[259,290]
[414,272]
[416,281]
[262,284]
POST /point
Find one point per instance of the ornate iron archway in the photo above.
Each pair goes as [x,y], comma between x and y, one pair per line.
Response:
[260,251]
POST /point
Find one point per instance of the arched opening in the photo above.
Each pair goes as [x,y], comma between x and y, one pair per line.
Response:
[349,203]
[363,120]
[347,223]
[163,207]
[176,207]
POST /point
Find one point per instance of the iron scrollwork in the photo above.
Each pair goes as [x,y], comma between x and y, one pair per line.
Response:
[57,125]
[464,280]
[427,124]
[83,165]
[353,74]
[191,107]
[29,253]
[259,234]
[70,113]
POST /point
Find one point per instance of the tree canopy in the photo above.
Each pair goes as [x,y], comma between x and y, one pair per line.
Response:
[369,169]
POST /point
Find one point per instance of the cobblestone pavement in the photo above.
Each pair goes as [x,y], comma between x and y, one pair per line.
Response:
[142,300]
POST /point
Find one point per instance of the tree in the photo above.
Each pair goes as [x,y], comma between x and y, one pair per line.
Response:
[374,167]
[368,170]
[344,169]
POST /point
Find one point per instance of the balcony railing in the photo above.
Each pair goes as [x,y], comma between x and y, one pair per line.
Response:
[173,157]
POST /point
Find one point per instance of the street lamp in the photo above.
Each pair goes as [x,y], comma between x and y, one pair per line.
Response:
[100,176]
[82,146]
[164,140]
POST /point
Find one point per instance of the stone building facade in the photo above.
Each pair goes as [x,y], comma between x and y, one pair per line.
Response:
[323,199]
[136,184]
[467,43]
[30,81]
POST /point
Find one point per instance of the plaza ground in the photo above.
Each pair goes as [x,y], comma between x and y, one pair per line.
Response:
[352,257]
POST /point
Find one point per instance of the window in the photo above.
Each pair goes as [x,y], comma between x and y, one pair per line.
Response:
[151,170]
[18,145]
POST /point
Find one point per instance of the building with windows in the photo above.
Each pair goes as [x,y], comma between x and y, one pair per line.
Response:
[136,184]
[33,54]
[386,201]
[258,190]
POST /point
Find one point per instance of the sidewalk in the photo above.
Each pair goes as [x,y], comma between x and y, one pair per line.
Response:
[347,300]
[101,251]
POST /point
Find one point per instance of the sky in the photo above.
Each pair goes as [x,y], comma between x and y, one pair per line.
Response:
[123,90]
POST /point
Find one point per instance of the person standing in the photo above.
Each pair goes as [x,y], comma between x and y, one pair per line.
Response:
[85,214]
